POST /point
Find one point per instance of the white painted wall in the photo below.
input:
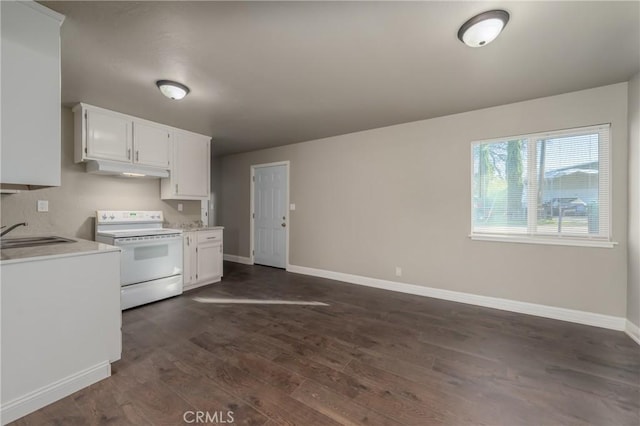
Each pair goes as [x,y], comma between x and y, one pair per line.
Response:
[72,206]
[633,289]
[369,201]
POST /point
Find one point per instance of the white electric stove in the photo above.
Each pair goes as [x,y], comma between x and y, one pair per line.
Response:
[151,258]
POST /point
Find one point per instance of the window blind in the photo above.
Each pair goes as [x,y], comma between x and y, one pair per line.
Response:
[543,185]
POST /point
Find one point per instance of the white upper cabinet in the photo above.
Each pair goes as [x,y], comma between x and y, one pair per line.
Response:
[190,170]
[108,136]
[30,56]
[121,143]
[116,143]
[152,144]
[192,164]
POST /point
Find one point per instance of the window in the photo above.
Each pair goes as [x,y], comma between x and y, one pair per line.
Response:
[548,187]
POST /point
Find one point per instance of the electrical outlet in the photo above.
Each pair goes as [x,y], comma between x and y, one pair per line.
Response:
[43,205]
[179,207]
[398,271]
[292,207]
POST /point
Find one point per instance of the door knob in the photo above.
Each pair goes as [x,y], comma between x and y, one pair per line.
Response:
[283,225]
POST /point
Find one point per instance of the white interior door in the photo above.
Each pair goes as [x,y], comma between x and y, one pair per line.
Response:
[270,215]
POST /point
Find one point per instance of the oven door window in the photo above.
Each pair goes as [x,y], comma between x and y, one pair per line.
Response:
[150,252]
[142,261]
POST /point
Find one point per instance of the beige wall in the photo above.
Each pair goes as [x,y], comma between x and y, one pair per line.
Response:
[72,206]
[633,289]
[400,196]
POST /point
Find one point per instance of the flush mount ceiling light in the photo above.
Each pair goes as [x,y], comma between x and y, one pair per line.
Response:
[482,29]
[172,89]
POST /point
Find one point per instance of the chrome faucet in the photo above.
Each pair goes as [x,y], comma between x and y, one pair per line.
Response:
[11,228]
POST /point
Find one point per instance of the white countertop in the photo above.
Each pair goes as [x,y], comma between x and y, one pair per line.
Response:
[190,227]
[79,247]
[205,228]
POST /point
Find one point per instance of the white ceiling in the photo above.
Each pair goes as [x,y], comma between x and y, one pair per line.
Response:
[272,73]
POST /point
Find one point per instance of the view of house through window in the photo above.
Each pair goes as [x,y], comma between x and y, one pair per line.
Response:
[551,184]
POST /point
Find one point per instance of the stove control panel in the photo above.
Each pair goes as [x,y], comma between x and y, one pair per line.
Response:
[128,216]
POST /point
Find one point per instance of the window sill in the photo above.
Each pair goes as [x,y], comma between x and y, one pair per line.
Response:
[566,241]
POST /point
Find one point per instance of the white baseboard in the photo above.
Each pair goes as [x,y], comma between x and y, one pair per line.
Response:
[202,284]
[237,259]
[563,314]
[39,398]
[633,331]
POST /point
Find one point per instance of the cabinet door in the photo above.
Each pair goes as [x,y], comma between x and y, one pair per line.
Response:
[191,165]
[187,256]
[151,145]
[209,264]
[194,257]
[30,131]
[108,136]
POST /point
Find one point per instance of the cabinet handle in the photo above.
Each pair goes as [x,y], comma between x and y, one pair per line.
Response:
[176,188]
[129,154]
[137,155]
[211,238]
[188,241]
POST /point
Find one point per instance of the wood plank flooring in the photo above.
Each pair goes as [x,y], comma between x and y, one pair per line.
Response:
[370,358]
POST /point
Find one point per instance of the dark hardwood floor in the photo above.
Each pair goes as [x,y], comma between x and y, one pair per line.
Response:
[370,358]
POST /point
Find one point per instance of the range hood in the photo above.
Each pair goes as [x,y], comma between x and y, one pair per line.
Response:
[105,167]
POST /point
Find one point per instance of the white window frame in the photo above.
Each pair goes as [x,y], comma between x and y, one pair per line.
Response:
[532,236]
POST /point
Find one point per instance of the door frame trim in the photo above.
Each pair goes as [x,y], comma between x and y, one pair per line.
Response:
[253,168]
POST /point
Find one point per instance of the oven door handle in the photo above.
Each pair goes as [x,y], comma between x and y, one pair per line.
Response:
[155,242]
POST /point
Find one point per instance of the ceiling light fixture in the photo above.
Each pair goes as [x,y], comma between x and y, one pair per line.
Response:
[172,89]
[482,29]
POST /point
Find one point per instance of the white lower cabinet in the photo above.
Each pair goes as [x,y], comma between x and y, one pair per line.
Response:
[189,259]
[202,262]
[61,321]
[209,265]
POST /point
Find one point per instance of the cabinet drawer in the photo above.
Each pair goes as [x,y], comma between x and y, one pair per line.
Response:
[209,236]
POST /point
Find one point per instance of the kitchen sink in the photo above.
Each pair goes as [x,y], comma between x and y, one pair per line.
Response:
[9,243]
